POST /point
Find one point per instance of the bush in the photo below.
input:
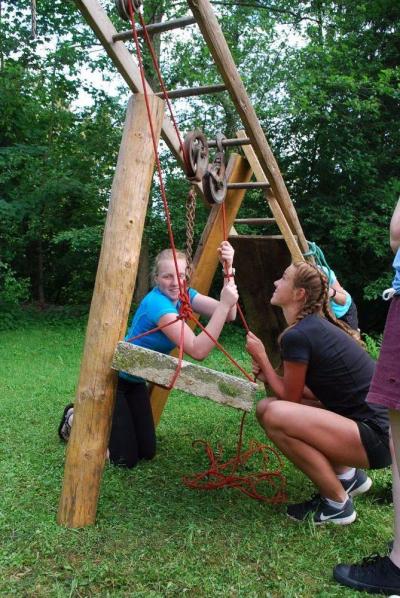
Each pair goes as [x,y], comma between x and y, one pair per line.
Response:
[373,345]
[13,291]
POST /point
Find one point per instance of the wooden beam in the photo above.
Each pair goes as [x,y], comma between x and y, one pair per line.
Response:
[205,261]
[108,316]
[98,20]
[251,185]
[275,208]
[211,30]
[194,379]
[154,28]
[188,92]
[255,221]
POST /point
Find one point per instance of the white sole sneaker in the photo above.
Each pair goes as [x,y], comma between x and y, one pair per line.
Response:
[361,489]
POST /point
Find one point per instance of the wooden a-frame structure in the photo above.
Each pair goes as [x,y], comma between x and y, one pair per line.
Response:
[120,251]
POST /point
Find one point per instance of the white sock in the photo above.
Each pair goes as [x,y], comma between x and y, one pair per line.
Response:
[347,475]
[335,504]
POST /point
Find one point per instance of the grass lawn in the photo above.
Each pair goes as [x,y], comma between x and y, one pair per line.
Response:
[153,536]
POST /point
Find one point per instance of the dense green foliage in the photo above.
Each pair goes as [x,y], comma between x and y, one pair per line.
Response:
[153,537]
[324,78]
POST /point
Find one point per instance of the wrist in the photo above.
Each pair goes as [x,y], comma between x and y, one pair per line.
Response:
[229,272]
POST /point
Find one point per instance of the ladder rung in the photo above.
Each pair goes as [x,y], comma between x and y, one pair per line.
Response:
[230,142]
[155,28]
[193,91]
[248,185]
[255,221]
[264,237]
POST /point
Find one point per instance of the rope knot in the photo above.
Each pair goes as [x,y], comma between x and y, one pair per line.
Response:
[185,309]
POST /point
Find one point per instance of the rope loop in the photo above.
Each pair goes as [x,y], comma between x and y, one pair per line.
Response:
[316,252]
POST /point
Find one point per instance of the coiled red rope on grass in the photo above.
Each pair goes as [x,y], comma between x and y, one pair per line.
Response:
[226,475]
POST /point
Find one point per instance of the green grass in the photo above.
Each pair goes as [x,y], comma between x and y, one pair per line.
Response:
[153,536]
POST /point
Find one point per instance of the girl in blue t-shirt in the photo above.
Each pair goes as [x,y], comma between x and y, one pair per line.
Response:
[340,300]
[324,365]
[133,434]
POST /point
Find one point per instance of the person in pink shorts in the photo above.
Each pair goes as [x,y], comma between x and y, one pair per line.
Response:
[381,574]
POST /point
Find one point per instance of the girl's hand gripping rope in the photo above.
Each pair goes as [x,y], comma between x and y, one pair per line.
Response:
[225,255]
[229,295]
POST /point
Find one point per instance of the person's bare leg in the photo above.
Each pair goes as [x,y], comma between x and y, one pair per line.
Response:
[313,439]
[395,429]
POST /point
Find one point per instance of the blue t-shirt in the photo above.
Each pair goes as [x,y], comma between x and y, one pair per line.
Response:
[152,307]
[338,310]
[396,266]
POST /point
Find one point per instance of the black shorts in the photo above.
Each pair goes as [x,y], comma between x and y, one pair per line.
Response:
[351,316]
[376,444]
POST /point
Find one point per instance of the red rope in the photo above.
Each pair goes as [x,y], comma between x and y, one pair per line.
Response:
[153,138]
[162,84]
[246,484]
[225,235]
[222,475]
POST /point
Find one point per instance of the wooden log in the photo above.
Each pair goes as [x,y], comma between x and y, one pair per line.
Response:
[205,261]
[108,316]
[194,379]
[211,30]
[275,208]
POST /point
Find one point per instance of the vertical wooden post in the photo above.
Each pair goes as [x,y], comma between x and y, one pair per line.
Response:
[116,275]
[205,261]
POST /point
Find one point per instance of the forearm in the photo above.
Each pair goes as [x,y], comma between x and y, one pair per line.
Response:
[339,297]
[395,228]
[202,343]
[272,380]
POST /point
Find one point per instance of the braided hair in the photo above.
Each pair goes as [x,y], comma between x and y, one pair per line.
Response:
[315,283]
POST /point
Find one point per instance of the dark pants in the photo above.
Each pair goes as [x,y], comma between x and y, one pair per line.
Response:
[351,317]
[133,434]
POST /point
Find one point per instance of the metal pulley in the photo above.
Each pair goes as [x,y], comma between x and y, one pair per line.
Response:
[122,7]
[215,184]
[196,155]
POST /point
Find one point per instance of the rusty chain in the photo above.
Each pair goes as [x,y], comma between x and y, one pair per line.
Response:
[190,219]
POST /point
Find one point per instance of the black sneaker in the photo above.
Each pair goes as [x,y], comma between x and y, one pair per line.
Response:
[358,484]
[322,512]
[64,429]
[375,574]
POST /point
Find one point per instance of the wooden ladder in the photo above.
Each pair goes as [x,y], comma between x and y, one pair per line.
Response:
[252,138]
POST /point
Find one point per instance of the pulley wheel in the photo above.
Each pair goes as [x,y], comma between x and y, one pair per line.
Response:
[214,192]
[196,155]
[122,7]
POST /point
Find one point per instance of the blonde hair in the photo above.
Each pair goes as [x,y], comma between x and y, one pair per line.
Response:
[316,287]
[165,254]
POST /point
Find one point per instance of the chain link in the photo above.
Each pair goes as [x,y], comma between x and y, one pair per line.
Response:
[190,219]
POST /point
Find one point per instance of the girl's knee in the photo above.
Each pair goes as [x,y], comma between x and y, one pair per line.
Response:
[260,408]
[273,417]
